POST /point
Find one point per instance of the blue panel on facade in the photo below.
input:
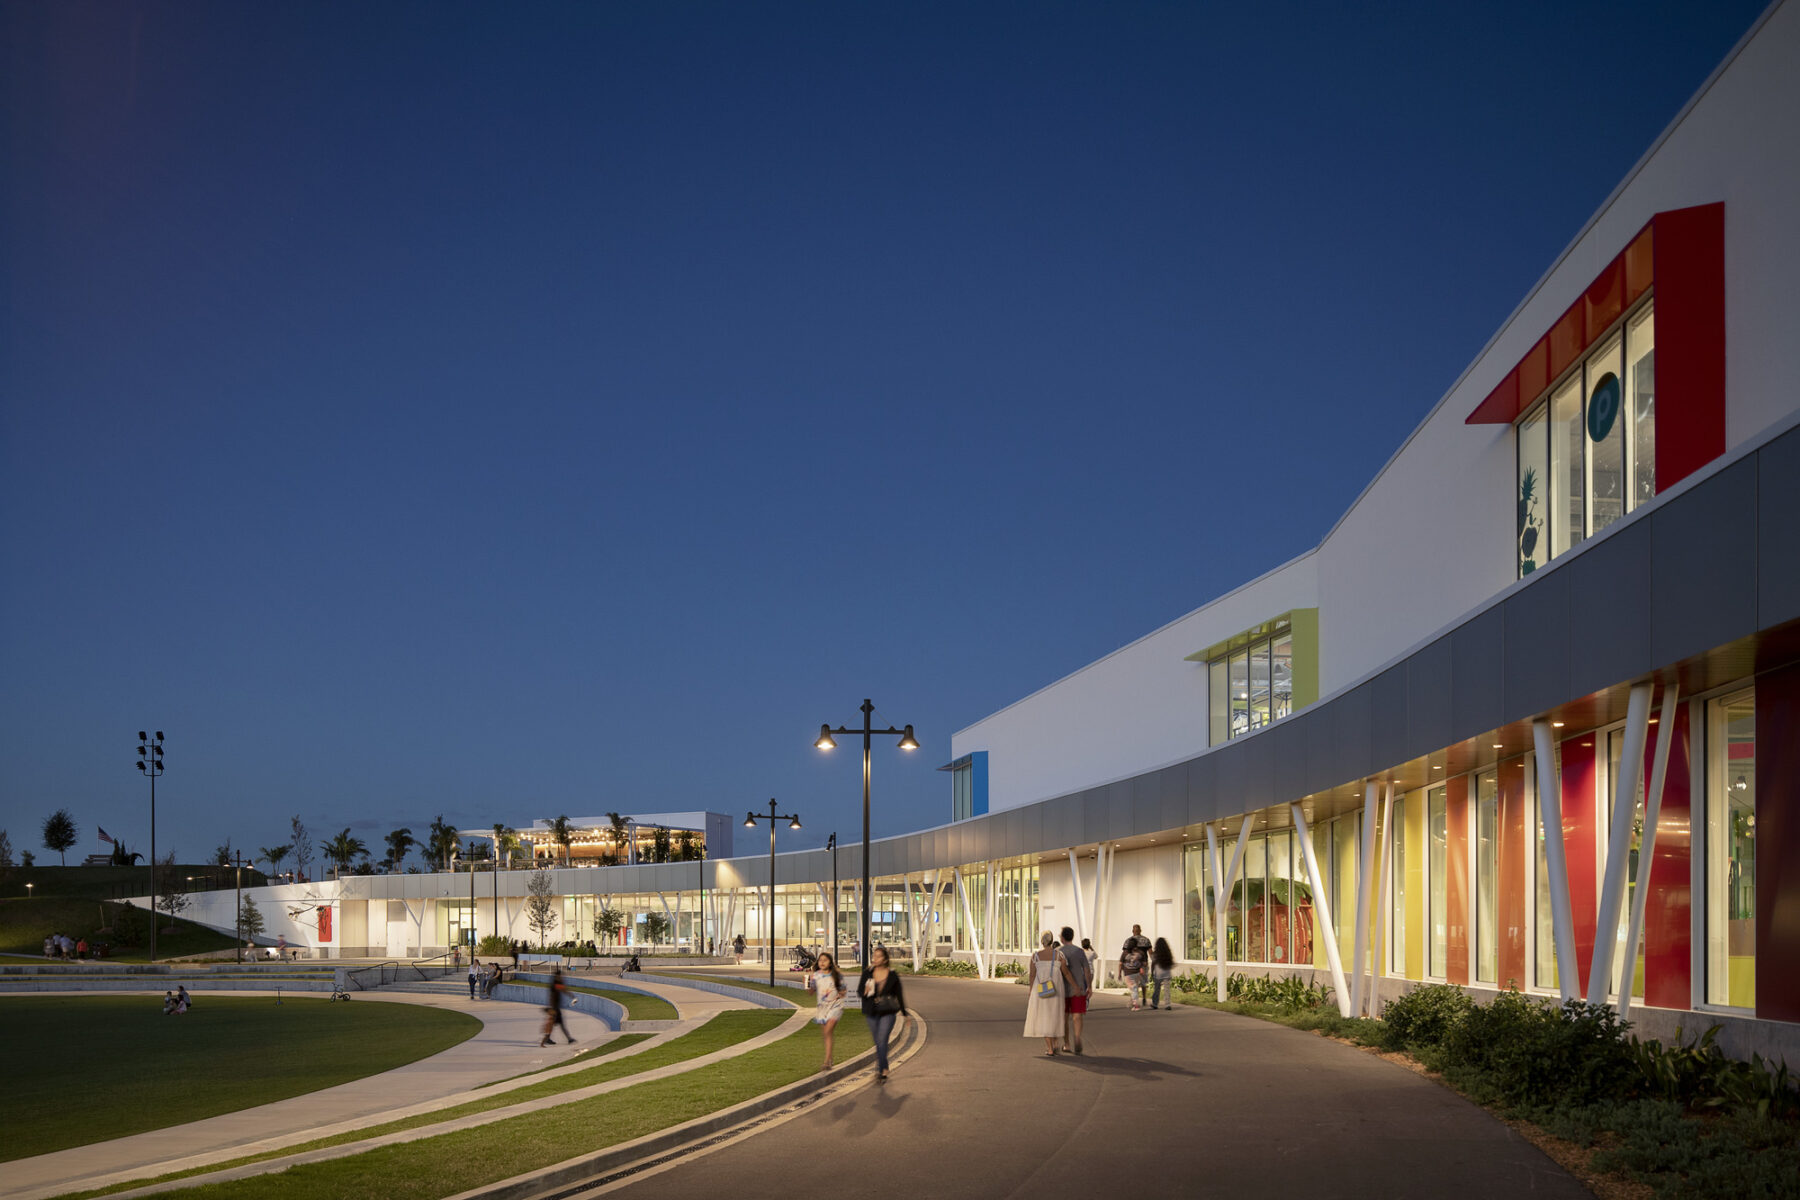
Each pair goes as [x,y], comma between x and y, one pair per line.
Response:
[978,782]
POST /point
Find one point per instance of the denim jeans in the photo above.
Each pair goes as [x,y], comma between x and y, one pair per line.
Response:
[881,1028]
[1161,978]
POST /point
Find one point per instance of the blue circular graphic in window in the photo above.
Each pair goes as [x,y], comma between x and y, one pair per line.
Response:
[1603,407]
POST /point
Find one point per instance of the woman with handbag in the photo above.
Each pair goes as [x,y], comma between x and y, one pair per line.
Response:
[1050,982]
[882,1003]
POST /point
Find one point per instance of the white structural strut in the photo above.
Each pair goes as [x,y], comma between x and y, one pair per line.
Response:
[1556,864]
[1659,773]
[1322,909]
[1618,849]
[962,892]
[1364,877]
[1212,860]
[1103,862]
[988,932]
[1382,911]
[1222,888]
[940,882]
[1075,886]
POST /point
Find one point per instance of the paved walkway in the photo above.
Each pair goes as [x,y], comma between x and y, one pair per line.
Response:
[506,1045]
[1188,1102]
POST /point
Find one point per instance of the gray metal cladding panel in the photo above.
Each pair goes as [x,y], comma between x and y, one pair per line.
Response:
[1120,812]
[1096,820]
[1146,804]
[1428,698]
[1388,744]
[1536,621]
[1171,789]
[1477,658]
[1231,775]
[1029,833]
[1258,782]
[1202,789]
[1289,737]
[1608,639]
[1778,531]
[1318,749]
[940,849]
[1352,726]
[1064,822]
[1703,566]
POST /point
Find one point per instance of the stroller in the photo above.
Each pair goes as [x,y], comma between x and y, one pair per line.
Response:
[804,959]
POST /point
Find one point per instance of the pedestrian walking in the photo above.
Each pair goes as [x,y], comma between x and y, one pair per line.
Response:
[1162,971]
[737,948]
[1049,984]
[281,947]
[474,975]
[1081,986]
[883,1000]
[1134,962]
[553,1006]
[827,986]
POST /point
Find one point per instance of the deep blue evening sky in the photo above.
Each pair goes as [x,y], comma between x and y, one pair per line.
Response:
[506,411]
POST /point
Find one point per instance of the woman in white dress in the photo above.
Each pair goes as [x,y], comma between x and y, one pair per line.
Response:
[1050,982]
[827,985]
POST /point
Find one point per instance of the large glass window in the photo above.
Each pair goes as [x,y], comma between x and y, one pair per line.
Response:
[1437,915]
[1487,877]
[1587,450]
[1197,873]
[1397,891]
[1281,676]
[1543,968]
[1240,693]
[1615,749]
[1731,850]
[1253,685]
[1218,702]
[1259,685]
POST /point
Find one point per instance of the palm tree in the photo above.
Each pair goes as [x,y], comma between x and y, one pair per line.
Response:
[560,834]
[344,850]
[506,841]
[273,856]
[441,842]
[619,833]
[398,843]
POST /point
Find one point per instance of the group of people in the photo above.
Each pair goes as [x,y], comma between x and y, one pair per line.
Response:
[484,977]
[1062,979]
[61,945]
[882,996]
[176,1002]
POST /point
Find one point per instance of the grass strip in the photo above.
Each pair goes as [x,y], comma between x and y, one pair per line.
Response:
[639,1006]
[623,1042]
[432,1167]
[83,1069]
[798,997]
[725,1029]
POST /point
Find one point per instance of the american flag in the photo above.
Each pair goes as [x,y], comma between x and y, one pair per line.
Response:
[104,838]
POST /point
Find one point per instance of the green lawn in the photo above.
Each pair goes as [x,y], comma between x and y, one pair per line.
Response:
[454,1162]
[91,1068]
[24,924]
[639,1006]
[798,997]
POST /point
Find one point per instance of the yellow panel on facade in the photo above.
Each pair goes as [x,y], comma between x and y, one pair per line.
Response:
[1413,830]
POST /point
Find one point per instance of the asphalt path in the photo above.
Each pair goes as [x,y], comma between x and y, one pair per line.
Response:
[1182,1103]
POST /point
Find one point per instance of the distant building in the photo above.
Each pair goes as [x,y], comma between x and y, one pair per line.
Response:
[640,838]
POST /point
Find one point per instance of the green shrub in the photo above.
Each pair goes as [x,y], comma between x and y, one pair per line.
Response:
[949,966]
[1425,1016]
[1699,1075]
[1009,969]
[1526,1052]
[1290,992]
[493,944]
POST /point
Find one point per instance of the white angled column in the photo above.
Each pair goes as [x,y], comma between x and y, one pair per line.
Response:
[962,892]
[1075,887]
[1364,876]
[1618,849]
[1659,774]
[1556,864]
[1222,887]
[1322,907]
[1385,868]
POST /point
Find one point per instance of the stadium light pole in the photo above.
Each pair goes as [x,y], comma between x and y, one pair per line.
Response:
[825,742]
[750,820]
[150,762]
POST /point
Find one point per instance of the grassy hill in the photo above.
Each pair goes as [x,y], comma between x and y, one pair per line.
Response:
[24,924]
[109,883]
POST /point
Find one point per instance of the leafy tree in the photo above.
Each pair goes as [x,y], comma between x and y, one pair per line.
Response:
[656,928]
[620,831]
[127,925]
[170,898]
[399,842]
[686,850]
[250,921]
[60,833]
[27,859]
[222,854]
[301,841]
[540,905]
[607,923]
[273,856]
[440,842]
[343,850]
[561,834]
[659,845]
[5,850]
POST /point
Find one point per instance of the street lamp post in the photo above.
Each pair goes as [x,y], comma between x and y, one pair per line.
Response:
[831,848]
[238,919]
[750,820]
[150,762]
[825,742]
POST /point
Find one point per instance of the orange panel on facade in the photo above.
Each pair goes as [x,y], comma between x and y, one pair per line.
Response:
[1456,882]
[1510,867]
[1579,777]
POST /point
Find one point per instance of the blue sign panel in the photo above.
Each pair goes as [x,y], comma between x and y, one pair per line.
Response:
[1603,407]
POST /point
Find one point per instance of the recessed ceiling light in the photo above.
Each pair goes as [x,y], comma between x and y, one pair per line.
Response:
[1437,768]
[1557,724]
[1497,745]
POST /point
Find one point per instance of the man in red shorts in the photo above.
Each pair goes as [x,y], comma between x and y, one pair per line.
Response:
[1081,983]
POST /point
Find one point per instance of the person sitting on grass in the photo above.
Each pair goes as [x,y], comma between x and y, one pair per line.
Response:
[168,1003]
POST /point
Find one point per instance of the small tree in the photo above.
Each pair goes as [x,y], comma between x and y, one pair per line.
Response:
[222,854]
[540,905]
[301,842]
[169,898]
[250,921]
[685,848]
[561,834]
[607,923]
[5,850]
[273,856]
[399,842]
[60,833]
[27,859]
[659,845]
[656,928]
[440,842]
[343,850]
[128,924]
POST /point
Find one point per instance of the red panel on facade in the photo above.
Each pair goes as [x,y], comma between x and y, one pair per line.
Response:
[1777,844]
[1567,338]
[1640,264]
[1605,299]
[324,911]
[1690,340]
[1668,932]
[1511,867]
[1579,815]
[1533,373]
[1456,885]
